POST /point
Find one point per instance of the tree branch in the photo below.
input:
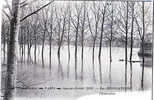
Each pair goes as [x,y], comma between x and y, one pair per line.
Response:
[35,11]
[8,7]
[7,15]
[90,26]
[138,27]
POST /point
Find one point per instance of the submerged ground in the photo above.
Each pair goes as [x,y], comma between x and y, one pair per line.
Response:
[40,80]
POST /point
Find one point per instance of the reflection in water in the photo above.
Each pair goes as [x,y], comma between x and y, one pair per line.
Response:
[50,60]
[60,69]
[50,65]
[125,75]
[29,58]
[113,73]
[93,68]
[142,80]
[35,50]
[68,69]
[42,62]
[131,74]
[145,54]
[82,67]
[22,53]
[50,55]
[146,62]
[100,70]
[110,77]
[68,64]
[76,66]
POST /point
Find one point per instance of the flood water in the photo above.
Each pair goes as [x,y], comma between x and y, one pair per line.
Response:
[58,80]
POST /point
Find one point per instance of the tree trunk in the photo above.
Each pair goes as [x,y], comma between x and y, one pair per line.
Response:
[12,52]
[93,52]
[93,59]
[3,35]
[126,29]
[68,50]
[111,34]
[100,48]
[82,51]
[24,46]
[50,41]
[76,46]
[142,80]
[60,44]
[22,43]
[68,46]
[50,50]
[132,25]
[102,30]
[61,38]
[35,46]
[43,48]
[29,44]
[4,48]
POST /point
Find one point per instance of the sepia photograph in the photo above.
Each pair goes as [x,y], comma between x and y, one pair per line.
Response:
[76,49]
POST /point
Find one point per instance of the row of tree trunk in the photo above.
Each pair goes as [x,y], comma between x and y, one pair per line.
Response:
[12,46]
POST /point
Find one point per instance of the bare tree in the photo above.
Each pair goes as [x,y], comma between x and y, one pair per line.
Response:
[132,26]
[82,36]
[111,34]
[45,28]
[50,35]
[97,17]
[12,44]
[123,27]
[21,42]
[142,80]
[29,40]
[76,26]
[101,38]
[12,47]
[126,37]
[62,34]
[142,30]
[35,43]
[126,40]
[68,37]
[102,29]
[21,36]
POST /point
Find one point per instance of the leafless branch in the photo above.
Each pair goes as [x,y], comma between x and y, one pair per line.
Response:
[89,25]
[7,15]
[36,11]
